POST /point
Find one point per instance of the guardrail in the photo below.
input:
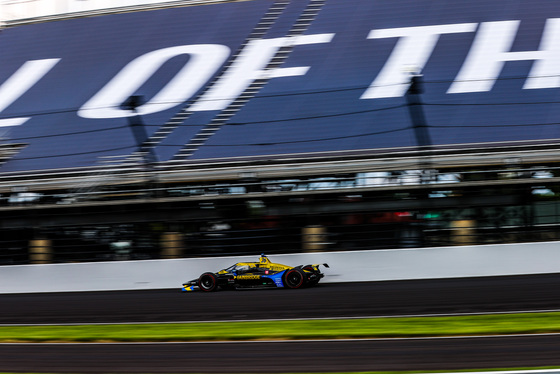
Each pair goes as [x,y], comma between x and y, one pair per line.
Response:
[135,180]
[359,266]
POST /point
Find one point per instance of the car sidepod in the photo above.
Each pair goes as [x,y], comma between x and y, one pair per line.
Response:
[276,278]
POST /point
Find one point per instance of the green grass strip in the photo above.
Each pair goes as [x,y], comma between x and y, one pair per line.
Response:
[523,323]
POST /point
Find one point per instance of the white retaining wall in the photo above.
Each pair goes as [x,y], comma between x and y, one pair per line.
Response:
[375,265]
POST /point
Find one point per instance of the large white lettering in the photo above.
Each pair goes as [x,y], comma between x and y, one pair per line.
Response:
[490,51]
[250,65]
[412,50]
[204,60]
[21,81]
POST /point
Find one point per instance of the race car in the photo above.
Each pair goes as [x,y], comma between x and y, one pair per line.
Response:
[261,274]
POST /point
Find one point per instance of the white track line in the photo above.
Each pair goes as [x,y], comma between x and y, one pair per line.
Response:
[279,319]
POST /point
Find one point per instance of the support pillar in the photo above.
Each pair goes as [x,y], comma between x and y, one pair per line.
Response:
[314,238]
[172,245]
[463,232]
[40,251]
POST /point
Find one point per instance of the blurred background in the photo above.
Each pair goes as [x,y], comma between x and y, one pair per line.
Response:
[375,126]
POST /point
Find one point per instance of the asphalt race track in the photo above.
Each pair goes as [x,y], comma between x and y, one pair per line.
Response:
[284,357]
[541,292]
[467,295]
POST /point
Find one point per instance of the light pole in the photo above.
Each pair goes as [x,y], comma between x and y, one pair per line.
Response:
[139,130]
[416,111]
[141,136]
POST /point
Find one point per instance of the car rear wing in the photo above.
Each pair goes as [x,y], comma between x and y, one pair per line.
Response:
[317,265]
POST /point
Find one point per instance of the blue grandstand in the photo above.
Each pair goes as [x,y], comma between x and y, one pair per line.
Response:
[267,78]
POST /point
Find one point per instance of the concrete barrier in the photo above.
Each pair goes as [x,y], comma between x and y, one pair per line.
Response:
[356,266]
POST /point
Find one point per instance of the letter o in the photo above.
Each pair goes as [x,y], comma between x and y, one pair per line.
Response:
[205,60]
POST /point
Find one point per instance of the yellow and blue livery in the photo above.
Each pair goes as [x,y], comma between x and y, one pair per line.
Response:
[261,274]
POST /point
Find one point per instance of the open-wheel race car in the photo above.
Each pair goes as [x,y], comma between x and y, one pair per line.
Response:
[261,274]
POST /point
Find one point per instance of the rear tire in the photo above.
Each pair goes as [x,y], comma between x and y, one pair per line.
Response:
[294,278]
[208,282]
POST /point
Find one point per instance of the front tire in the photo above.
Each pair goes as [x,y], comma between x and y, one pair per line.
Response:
[294,278]
[208,282]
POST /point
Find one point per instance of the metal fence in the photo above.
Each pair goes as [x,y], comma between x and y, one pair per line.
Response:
[347,206]
[338,231]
